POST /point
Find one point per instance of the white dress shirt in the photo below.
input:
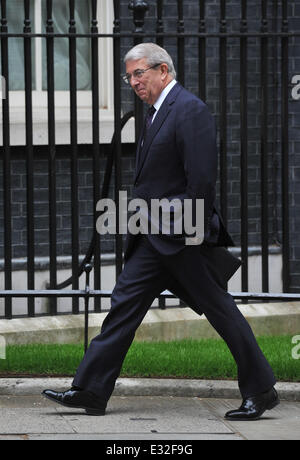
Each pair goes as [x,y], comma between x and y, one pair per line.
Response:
[163,96]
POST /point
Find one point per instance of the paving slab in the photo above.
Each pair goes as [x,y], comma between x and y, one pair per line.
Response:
[127,418]
[26,421]
[281,423]
[142,415]
[140,418]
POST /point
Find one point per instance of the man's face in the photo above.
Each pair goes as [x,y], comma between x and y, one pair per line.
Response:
[151,83]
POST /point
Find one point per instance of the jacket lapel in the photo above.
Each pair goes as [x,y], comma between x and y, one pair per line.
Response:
[139,148]
[155,127]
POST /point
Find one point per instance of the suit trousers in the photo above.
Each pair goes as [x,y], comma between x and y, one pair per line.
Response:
[145,275]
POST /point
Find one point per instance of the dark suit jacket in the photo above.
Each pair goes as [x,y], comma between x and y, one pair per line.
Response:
[179,160]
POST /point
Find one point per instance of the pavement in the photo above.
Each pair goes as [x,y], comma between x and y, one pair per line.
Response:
[152,410]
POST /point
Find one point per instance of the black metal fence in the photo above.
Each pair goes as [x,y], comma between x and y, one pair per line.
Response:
[272,43]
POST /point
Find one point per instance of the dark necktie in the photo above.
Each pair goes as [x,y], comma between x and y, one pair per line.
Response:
[150,113]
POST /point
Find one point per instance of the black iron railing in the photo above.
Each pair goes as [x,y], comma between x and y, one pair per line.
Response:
[268,38]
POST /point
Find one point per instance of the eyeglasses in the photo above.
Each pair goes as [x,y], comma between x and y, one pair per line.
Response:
[138,73]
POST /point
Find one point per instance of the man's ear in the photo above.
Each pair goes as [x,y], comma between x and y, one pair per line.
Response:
[164,70]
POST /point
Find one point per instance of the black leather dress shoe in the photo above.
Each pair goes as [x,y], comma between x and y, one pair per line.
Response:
[78,399]
[253,408]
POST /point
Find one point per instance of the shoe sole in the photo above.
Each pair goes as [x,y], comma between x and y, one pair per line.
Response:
[247,419]
[89,411]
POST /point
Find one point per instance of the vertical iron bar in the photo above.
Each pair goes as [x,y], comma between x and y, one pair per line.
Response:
[160,42]
[6,164]
[180,42]
[202,52]
[160,23]
[244,145]
[223,112]
[162,303]
[264,150]
[87,269]
[30,159]
[74,159]
[285,151]
[52,155]
[117,129]
[96,143]
[139,9]
[275,123]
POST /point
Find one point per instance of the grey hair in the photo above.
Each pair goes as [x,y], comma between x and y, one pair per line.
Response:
[154,55]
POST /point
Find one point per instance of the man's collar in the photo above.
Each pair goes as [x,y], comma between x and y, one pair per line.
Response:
[163,95]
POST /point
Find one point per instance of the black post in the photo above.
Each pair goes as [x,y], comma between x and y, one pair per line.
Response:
[244,145]
[52,155]
[139,9]
[159,23]
[6,164]
[117,132]
[87,269]
[160,42]
[264,150]
[180,42]
[29,151]
[223,111]
[285,150]
[275,137]
[74,159]
[96,147]
[202,52]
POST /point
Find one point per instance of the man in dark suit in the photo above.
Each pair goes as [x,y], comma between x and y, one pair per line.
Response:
[176,159]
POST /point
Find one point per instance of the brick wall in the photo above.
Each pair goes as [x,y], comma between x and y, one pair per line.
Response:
[63,197]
